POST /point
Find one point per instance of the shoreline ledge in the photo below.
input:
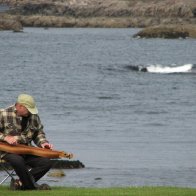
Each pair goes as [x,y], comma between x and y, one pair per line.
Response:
[57,164]
[10,23]
[168,32]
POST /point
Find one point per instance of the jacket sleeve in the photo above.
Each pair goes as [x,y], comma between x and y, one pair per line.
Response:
[2,135]
[39,136]
[22,139]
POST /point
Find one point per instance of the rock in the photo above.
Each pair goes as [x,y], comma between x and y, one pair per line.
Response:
[56,173]
[9,23]
[58,164]
[194,12]
[66,164]
[168,32]
[98,179]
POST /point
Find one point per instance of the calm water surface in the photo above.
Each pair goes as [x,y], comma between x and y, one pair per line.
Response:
[129,128]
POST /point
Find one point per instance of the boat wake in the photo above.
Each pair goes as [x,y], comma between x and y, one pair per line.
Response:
[187,68]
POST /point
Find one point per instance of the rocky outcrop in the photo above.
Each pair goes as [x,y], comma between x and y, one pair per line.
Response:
[66,164]
[10,23]
[58,164]
[169,32]
[56,173]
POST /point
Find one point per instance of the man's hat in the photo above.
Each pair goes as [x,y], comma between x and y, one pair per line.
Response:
[28,102]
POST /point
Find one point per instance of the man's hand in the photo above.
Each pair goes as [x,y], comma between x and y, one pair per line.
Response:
[47,145]
[11,139]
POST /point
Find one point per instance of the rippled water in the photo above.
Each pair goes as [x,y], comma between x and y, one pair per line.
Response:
[129,128]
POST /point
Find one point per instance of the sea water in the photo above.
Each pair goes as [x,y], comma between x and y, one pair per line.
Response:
[128,127]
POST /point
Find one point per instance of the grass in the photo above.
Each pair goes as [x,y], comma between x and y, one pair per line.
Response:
[133,191]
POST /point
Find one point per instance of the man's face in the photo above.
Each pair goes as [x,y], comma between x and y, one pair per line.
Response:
[22,110]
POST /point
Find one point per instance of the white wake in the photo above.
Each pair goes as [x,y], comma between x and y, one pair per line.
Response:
[166,69]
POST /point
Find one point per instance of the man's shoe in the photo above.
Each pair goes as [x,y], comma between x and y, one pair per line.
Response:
[43,187]
[15,184]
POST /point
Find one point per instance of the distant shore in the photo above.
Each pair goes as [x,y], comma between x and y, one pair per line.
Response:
[92,13]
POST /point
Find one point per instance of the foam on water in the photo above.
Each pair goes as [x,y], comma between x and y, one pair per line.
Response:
[169,69]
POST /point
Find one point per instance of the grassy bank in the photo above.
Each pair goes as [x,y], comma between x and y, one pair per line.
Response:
[102,13]
[133,191]
[107,8]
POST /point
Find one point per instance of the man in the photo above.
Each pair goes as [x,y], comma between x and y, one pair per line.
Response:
[20,124]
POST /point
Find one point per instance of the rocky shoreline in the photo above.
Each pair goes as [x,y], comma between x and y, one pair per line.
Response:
[168,32]
[97,13]
[57,164]
[10,23]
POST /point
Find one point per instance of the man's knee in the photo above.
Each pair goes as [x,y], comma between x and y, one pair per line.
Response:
[15,160]
[46,163]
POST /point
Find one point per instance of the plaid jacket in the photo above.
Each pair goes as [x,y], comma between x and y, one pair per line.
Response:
[10,124]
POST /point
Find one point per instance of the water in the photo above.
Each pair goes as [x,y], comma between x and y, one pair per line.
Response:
[129,128]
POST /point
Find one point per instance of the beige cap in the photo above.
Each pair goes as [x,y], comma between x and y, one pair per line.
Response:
[28,102]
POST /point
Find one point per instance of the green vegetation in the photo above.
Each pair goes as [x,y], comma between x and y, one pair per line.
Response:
[132,191]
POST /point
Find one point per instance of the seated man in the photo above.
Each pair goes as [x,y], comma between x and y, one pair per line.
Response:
[20,124]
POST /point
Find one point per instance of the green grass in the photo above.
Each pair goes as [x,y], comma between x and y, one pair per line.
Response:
[132,191]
